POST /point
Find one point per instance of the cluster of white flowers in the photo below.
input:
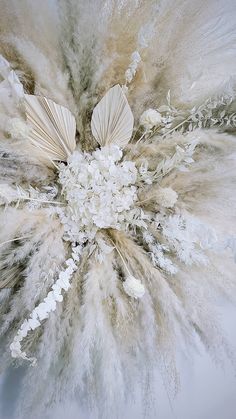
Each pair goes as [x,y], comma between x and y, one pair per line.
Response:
[41,312]
[100,192]
[131,71]
[150,118]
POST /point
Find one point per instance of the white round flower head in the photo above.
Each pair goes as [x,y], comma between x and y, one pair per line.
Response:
[133,287]
[99,190]
[150,118]
[166,197]
[17,128]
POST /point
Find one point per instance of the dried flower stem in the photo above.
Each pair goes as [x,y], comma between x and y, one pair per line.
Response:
[16,239]
[120,254]
[40,200]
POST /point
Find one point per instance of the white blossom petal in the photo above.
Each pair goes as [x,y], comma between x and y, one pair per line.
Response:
[133,287]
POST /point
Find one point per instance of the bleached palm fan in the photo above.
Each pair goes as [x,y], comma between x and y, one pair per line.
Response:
[117,193]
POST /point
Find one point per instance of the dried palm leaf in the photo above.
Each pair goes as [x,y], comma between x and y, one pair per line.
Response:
[112,119]
[53,127]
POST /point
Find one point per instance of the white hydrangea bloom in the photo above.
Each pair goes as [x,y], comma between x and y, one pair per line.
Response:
[100,192]
[133,287]
[150,118]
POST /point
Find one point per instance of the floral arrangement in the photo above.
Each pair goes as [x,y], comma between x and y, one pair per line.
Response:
[117,235]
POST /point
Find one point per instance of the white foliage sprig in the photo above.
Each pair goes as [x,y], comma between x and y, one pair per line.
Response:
[209,114]
[132,69]
[42,311]
[158,254]
[188,238]
[180,160]
[37,198]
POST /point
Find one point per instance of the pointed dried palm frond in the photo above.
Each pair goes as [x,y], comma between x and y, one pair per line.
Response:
[53,127]
[112,119]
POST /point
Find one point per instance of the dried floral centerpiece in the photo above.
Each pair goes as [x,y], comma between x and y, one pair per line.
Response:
[109,235]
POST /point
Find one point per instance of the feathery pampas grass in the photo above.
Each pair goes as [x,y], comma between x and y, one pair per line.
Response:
[147,254]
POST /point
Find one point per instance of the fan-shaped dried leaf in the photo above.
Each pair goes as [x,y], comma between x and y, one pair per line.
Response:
[112,119]
[53,127]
